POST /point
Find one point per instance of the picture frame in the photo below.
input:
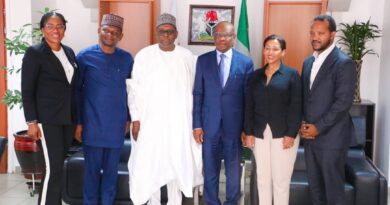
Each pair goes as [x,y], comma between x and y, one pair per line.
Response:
[203,19]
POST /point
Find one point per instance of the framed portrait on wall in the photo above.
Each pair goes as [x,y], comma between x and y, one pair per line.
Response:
[203,19]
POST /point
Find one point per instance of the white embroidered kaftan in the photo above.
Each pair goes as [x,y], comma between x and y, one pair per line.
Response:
[160,97]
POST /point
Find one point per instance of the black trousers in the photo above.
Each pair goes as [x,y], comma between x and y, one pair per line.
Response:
[326,175]
[55,145]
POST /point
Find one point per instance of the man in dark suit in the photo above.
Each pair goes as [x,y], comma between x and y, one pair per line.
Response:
[328,85]
[218,112]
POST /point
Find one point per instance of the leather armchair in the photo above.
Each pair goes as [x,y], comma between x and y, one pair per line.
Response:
[3,143]
[74,173]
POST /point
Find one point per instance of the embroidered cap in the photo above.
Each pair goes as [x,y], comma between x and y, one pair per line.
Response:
[112,20]
[166,18]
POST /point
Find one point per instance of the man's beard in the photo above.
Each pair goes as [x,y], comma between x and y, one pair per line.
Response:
[109,44]
[323,46]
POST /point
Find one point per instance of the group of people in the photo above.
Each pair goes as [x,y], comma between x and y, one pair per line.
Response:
[187,114]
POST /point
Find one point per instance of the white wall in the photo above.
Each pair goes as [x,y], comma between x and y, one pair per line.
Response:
[18,13]
[82,26]
[38,6]
[383,106]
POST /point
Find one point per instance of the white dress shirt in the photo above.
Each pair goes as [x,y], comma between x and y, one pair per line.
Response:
[227,62]
[318,61]
[68,68]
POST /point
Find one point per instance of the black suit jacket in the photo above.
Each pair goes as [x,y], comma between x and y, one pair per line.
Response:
[327,103]
[279,103]
[46,93]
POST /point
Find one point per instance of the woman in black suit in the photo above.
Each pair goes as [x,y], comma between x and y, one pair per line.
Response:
[47,94]
[272,120]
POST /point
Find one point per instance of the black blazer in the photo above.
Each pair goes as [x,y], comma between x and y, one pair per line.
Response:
[279,103]
[46,93]
[327,103]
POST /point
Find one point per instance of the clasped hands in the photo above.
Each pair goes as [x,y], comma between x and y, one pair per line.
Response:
[308,131]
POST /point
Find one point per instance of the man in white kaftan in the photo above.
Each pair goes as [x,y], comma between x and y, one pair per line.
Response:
[160,103]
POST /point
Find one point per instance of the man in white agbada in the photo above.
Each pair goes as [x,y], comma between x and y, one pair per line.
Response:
[165,160]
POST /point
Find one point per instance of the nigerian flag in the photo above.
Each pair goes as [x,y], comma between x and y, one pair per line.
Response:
[242,43]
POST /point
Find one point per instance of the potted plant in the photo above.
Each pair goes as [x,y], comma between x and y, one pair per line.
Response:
[354,37]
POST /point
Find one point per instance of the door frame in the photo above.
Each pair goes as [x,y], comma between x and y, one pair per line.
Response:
[3,86]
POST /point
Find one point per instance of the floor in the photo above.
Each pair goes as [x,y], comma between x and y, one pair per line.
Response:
[14,190]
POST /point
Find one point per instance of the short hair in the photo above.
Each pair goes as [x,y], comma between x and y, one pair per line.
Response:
[332,23]
[46,17]
[279,38]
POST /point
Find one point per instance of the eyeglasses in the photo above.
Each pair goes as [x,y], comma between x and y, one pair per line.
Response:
[222,34]
[169,32]
[112,33]
[51,27]
[274,49]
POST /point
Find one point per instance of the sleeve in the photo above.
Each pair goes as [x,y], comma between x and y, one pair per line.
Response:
[294,115]
[79,88]
[343,97]
[128,78]
[135,89]
[30,74]
[130,66]
[193,70]
[198,96]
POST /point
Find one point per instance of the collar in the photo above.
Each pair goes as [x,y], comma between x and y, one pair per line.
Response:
[281,69]
[59,51]
[228,53]
[325,53]
[47,49]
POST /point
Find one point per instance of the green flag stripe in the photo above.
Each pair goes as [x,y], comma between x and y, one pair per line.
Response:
[242,33]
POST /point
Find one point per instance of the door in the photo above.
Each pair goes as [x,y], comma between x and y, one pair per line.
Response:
[292,20]
[3,86]
[139,21]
